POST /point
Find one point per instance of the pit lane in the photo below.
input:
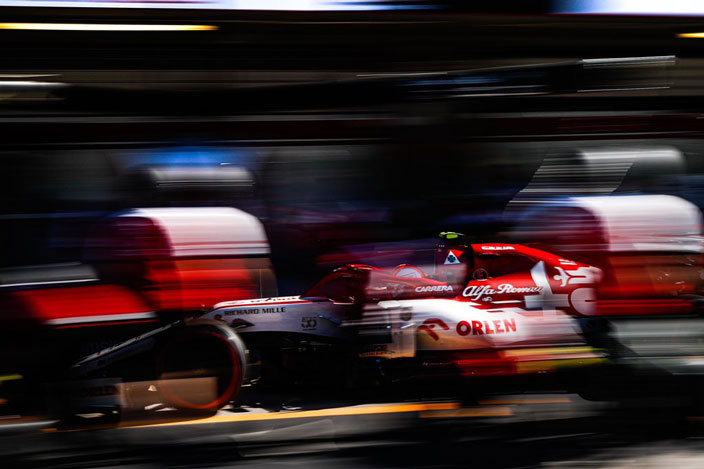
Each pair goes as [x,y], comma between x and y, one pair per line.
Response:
[527,430]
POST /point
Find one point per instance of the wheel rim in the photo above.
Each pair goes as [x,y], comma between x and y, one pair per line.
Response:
[196,355]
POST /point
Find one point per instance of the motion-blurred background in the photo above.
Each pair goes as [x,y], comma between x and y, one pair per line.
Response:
[354,132]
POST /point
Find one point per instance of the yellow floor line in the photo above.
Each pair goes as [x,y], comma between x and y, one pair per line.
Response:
[550,351]
[336,412]
[471,412]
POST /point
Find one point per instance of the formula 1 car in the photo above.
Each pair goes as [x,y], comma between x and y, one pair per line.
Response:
[486,310]
[482,310]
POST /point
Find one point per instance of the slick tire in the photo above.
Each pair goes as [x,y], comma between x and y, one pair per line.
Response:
[201,368]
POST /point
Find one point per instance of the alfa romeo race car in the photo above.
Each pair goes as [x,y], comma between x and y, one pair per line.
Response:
[491,309]
[485,310]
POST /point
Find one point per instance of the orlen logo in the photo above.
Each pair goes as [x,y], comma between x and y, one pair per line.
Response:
[429,324]
[497,326]
[434,288]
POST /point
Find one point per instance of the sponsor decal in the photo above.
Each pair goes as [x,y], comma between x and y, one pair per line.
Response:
[582,300]
[429,325]
[498,248]
[547,299]
[475,292]
[434,288]
[277,309]
[77,395]
[309,323]
[496,326]
[453,257]
[582,275]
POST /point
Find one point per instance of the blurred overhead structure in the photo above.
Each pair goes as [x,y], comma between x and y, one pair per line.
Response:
[582,76]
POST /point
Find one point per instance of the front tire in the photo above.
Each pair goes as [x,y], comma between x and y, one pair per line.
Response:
[194,358]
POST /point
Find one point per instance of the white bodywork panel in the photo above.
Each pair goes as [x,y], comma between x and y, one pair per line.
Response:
[287,314]
[464,327]
[409,325]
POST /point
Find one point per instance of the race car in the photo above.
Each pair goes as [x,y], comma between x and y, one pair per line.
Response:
[485,310]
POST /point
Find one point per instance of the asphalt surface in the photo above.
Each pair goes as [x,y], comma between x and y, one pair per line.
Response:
[510,431]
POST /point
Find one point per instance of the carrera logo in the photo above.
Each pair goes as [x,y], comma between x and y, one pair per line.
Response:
[477,291]
[497,326]
[434,288]
[430,324]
